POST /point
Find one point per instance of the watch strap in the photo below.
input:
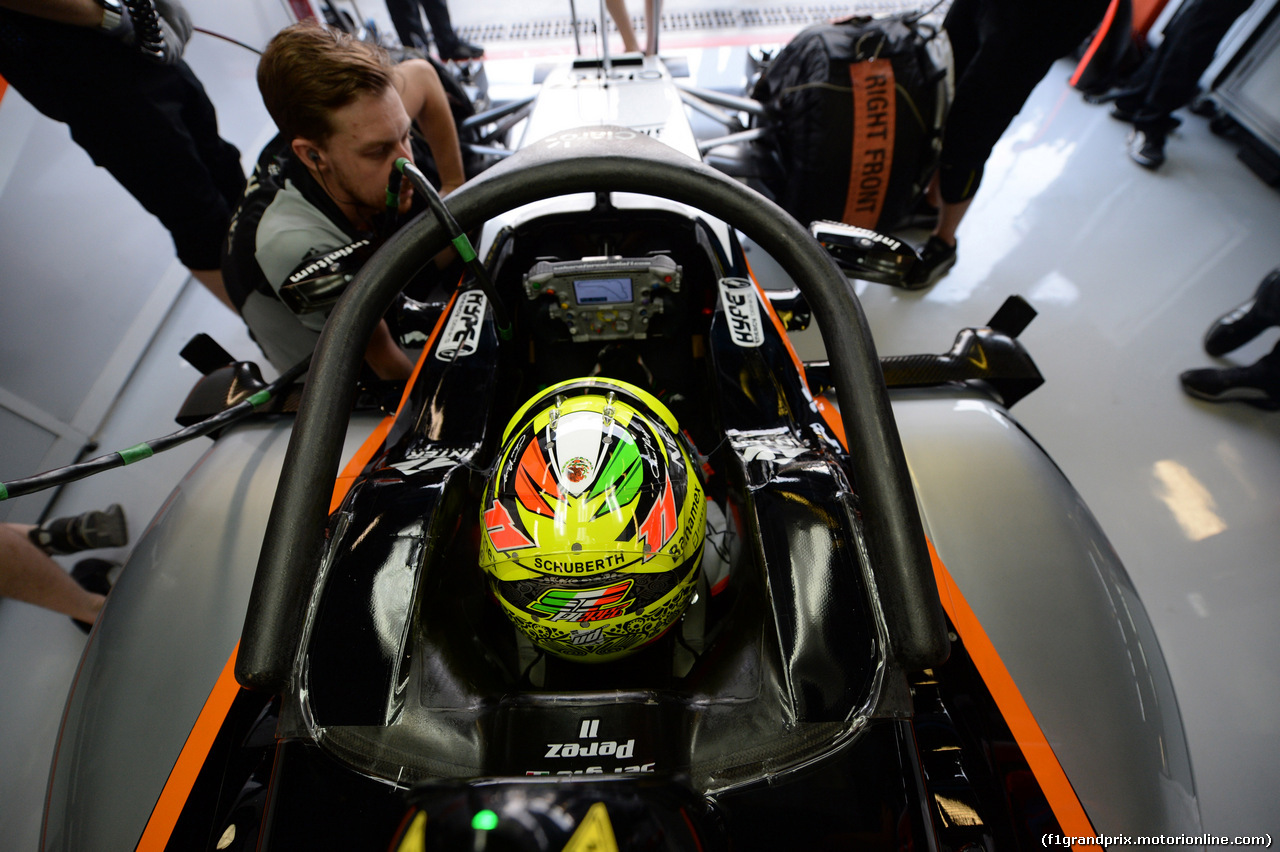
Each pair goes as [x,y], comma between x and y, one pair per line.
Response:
[112,15]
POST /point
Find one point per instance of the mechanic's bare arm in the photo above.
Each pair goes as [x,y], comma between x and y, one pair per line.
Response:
[425,101]
[80,13]
[385,357]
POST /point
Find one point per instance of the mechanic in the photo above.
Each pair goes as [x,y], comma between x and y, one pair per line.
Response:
[143,117]
[1002,48]
[345,115]
[28,574]
[1167,77]
[1257,384]
[408,23]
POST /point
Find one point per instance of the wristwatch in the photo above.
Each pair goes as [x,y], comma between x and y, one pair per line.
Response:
[112,13]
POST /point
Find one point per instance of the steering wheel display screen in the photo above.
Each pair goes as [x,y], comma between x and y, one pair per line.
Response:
[601,291]
[603,298]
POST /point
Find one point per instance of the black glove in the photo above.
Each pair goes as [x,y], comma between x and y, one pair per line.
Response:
[175,23]
[159,29]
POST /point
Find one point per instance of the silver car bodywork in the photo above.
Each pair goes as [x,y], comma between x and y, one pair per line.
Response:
[1062,613]
[1024,552]
[157,651]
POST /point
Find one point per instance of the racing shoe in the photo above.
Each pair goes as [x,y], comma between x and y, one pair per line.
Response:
[1244,322]
[936,259]
[462,50]
[93,529]
[1146,148]
[1121,113]
[1257,384]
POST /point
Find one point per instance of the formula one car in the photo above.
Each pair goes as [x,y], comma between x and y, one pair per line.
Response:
[915,636]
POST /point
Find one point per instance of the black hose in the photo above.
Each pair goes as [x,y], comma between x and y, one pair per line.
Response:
[460,242]
[147,449]
[234,41]
[923,12]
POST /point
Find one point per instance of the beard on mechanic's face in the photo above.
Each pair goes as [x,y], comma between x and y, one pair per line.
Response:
[357,190]
[361,192]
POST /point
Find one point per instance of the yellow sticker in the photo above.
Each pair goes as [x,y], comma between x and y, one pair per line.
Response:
[594,834]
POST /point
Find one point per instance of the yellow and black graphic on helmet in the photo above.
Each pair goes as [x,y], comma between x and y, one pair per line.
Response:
[593,520]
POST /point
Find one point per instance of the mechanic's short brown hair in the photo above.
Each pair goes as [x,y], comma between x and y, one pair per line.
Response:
[307,71]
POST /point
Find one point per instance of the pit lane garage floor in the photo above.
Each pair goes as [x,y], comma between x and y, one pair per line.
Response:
[1127,269]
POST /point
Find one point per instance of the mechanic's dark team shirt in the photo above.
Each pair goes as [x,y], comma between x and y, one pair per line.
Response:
[285,222]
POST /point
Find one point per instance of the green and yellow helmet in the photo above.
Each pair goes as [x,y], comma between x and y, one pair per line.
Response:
[593,520]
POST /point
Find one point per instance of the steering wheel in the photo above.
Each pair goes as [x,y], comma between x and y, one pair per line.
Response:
[592,159]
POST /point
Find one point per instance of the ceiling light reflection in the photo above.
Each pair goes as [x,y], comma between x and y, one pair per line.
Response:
[1054,288]
[1192,505]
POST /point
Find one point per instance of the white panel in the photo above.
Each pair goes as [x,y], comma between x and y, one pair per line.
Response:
[87,275]
[23,440]
[80,258]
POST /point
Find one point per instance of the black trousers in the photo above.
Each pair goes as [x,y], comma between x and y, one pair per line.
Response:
[151,126]
[1003,49]
[408,24]
[1167,78]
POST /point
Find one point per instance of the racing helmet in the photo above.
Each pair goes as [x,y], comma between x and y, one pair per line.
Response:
[593,521]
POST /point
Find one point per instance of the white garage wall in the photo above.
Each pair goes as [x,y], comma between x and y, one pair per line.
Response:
[86,275]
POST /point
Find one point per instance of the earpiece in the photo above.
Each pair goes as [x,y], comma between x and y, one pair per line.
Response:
[318,164]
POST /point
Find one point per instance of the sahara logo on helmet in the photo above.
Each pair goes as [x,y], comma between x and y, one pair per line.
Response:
[584,605]
[688,534]
[739,298]
[461,335]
